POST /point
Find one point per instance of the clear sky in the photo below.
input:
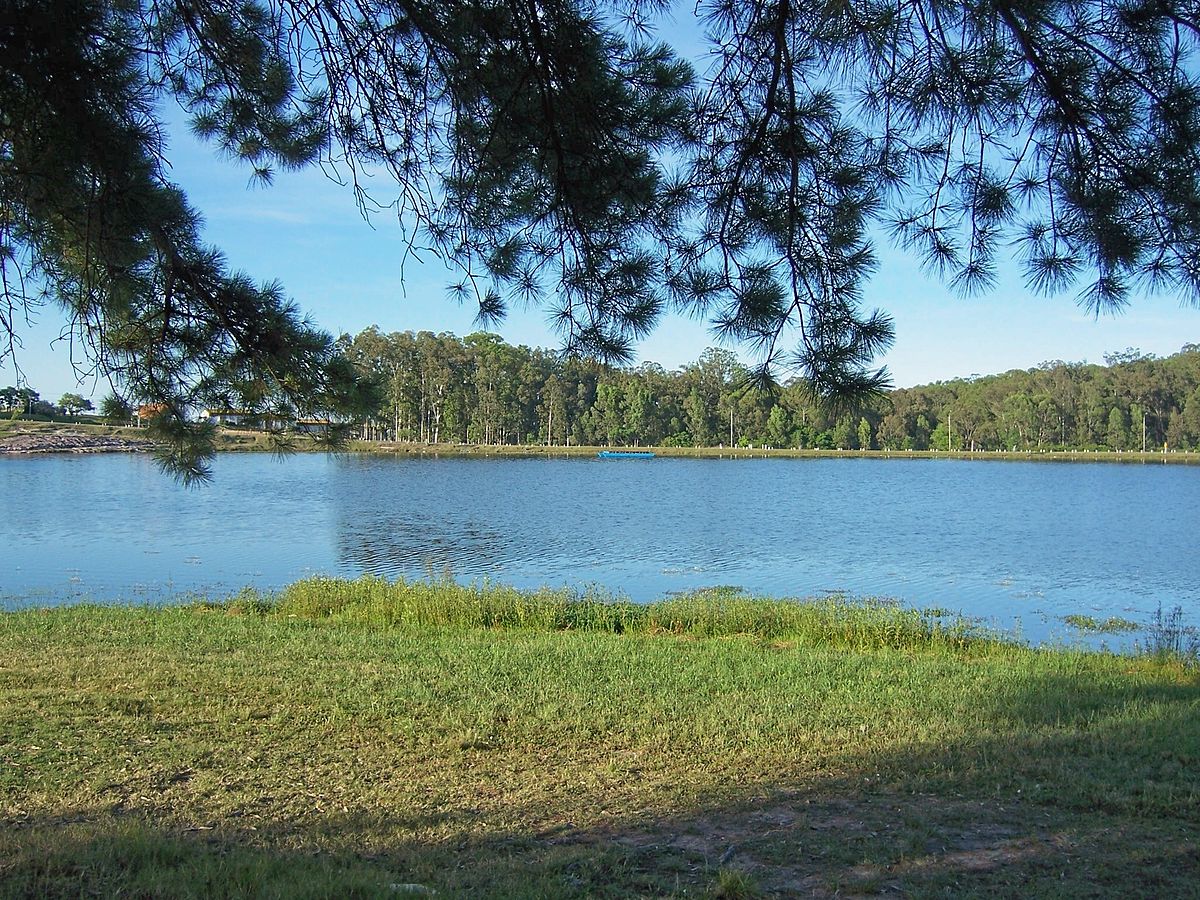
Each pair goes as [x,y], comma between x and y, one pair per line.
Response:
[306,231]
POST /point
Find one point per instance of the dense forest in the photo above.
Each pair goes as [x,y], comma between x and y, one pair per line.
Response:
[479,389]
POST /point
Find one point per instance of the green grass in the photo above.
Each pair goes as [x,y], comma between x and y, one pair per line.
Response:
[711,613]
[349,739]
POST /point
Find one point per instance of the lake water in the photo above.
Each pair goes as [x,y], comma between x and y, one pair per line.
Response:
[1017,544]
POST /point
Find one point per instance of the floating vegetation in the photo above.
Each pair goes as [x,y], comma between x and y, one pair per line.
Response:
[1092,625]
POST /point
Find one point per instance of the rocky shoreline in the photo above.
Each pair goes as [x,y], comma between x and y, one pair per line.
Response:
[70,442]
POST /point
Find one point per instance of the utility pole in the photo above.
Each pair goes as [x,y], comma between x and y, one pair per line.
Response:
[731,427]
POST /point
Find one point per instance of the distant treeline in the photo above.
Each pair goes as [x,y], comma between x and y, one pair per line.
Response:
[478,389]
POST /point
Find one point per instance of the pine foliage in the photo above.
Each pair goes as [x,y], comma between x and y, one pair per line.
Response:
[561,153]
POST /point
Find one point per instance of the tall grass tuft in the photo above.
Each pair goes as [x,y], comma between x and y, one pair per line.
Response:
[715,613]
[1167,636]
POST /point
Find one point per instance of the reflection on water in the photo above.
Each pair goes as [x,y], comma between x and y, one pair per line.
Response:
[392,547]
[1002,541]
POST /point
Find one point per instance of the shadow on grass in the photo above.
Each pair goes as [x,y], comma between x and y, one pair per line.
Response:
[1103,801]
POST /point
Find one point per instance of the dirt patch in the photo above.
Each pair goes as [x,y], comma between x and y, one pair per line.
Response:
[885,845]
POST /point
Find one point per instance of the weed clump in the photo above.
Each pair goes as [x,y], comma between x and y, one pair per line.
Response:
[733,884]
[1167,637]
[834,621]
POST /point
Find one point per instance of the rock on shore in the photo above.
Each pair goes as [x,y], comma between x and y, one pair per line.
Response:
[70,442]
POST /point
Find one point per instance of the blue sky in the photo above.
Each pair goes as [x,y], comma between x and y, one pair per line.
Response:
[348,274]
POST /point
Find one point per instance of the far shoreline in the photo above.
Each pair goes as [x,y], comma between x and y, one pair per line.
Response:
[382,448]
[41,438]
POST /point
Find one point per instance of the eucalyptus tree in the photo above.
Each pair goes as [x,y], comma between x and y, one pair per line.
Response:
[1017,418]
[552,410]
[654,404]
[1117,436]
[972,417]
[1090,413]
[865,439]
[584,373]
[1191,419]
[636,403]
[560,153]
[1176,438]
[777,431]
[535,367]
[440,367]
[375,361]
[495,413]
[607,423]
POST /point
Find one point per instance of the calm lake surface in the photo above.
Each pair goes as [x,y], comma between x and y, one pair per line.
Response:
[1018,544]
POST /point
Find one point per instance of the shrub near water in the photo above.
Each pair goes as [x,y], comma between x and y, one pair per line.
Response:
[718,612]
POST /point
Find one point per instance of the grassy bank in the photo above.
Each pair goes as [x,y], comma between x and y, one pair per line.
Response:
[366,739]
[540,450]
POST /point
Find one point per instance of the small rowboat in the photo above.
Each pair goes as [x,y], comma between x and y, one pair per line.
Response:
[625,454]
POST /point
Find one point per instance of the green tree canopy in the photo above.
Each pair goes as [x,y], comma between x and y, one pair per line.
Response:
[18,398]
[71,403]
[559,152]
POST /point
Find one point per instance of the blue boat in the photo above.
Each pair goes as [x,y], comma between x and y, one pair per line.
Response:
[625,454]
